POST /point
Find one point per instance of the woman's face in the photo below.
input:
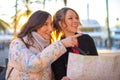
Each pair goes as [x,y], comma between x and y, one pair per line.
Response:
[46,29]
[71,23]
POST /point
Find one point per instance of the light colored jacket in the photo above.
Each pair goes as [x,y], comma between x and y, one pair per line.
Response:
[29,65]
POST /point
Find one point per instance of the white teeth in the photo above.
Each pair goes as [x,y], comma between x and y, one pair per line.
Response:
[75,25]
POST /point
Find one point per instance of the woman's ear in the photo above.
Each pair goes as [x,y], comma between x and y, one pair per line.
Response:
[60,23]
[62,26]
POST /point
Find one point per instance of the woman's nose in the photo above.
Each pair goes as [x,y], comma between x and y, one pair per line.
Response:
[50,28]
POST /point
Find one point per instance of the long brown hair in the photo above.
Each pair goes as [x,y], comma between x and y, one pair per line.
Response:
[60,16]
[36,20]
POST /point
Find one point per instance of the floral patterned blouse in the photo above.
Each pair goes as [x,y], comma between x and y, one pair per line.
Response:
[29,65]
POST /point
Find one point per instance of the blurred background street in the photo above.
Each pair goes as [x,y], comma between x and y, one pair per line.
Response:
[99,18]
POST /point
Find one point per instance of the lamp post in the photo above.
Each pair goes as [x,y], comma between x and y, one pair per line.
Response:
[15,20]
[108,28]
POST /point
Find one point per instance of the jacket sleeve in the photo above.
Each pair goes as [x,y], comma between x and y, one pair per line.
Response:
[90,45]
[87,44]
[23,59]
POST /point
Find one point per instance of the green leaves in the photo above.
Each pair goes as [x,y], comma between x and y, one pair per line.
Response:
[3,25]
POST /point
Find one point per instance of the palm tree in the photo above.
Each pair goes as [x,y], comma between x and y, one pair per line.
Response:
[16,18]
[26,13]
[65,2]
[19,13]
[3,25]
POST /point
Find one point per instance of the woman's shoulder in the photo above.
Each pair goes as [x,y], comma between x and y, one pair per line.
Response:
[16,41]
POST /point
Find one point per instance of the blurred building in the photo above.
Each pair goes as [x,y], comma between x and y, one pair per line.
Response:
[115,35]
[94,29]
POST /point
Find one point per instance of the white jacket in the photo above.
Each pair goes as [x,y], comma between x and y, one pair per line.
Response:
[29,65]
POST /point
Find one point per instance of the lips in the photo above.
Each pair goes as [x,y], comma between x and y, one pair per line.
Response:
[75,25]
[48,34]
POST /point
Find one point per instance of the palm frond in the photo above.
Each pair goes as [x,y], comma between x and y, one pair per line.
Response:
[3,25]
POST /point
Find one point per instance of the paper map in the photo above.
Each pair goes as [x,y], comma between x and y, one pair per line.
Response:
[102,67]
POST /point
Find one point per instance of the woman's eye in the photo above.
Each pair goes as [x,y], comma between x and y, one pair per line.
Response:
[51,24]
[69,18]
[77,18]
[45,24]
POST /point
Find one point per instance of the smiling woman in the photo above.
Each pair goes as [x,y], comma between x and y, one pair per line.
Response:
[31,49]
[66,21]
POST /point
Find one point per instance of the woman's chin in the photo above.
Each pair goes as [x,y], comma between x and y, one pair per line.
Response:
[47,38]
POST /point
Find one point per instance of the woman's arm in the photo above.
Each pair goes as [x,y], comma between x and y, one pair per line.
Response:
[24,59]
[92,47]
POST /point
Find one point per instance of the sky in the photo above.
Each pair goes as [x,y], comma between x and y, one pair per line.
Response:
[97,9]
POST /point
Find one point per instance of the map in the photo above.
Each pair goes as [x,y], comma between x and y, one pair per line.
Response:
[102,67]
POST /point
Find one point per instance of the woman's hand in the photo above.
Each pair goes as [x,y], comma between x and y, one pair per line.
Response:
[65,78]
[70,41]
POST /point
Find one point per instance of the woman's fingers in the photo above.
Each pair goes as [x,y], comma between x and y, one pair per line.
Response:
[74,38]
[77,35]
[70,41]
[65,78]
